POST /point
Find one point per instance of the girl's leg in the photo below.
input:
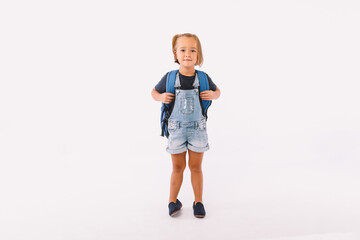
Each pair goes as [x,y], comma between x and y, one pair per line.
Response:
[195,159]
[179,164]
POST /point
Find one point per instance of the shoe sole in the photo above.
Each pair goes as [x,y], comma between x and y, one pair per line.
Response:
[199,216]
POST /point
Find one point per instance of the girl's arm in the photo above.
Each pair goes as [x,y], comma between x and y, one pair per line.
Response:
[162,97]
[217,93]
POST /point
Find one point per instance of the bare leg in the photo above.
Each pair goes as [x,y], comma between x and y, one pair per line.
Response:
[195,160]
[179,164]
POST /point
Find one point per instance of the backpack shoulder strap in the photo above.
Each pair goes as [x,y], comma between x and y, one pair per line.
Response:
[203,81]
[204,86]
[170,87]
[170,82]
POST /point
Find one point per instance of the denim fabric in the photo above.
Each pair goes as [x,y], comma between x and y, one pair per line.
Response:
[187,125]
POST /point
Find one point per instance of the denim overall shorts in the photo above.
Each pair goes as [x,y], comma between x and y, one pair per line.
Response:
[186,124]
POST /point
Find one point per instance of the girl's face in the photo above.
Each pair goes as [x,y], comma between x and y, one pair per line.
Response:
[186,51]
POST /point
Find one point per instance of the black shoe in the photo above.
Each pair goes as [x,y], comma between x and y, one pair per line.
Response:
[199,210]
[174,207]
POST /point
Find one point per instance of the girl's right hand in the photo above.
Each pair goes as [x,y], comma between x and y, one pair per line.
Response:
[167,97]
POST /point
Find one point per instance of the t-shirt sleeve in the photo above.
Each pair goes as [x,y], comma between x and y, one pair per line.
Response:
[161,86]
[211,84]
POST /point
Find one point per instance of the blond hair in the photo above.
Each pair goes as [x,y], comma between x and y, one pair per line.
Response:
[198,45]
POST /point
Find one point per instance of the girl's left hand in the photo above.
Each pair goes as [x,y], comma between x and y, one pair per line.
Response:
[207,95]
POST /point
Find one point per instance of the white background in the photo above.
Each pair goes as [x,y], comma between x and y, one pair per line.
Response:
[80,151]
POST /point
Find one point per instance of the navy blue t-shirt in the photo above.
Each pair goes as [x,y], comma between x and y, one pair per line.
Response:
[186,83]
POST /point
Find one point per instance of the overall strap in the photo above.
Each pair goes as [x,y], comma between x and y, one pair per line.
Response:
[196,82]
[177,81]
[204,86]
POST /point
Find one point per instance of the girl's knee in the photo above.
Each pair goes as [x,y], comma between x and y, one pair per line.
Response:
[179,168]
[195,160]
[195,168]
[179,162]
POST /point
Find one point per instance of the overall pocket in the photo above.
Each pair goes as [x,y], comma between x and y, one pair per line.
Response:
[187,105]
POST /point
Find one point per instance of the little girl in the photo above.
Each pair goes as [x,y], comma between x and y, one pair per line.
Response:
[186,121]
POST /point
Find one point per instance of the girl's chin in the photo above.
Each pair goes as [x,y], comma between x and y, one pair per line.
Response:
[187,65]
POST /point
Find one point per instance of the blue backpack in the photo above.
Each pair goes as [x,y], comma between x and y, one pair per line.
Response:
[170,87]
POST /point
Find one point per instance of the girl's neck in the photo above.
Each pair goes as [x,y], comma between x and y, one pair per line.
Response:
[187,71]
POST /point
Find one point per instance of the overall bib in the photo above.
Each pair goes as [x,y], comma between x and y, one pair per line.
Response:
[186,124]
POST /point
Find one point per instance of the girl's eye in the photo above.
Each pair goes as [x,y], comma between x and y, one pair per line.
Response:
[183,50]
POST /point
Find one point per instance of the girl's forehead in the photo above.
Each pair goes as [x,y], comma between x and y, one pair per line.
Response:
[186,42]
